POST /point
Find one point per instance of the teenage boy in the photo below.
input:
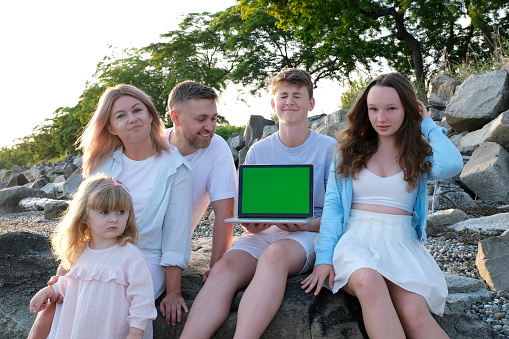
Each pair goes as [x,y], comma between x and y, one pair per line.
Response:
[193,110]
[266,255]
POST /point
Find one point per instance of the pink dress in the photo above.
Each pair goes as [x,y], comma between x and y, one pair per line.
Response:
[106,292]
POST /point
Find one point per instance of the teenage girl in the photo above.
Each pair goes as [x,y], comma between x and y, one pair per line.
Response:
[108,290]
[373,225]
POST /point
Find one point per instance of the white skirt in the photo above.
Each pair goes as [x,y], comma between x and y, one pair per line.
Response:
[388,244]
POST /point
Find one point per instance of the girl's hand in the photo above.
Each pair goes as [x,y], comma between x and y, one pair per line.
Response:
[56,298]
[40,301]
[317,278]
[255,228]
[135,333]
[423,110]
[171,308]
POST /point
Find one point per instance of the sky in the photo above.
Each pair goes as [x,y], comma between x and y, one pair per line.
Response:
[49,49]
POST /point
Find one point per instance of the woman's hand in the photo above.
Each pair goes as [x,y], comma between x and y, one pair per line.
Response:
[171,308]
[256,228]
[317,278]
[423,110]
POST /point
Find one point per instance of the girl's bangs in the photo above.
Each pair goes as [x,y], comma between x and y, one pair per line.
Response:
[110,198]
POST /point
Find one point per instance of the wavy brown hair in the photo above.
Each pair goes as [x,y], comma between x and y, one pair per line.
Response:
[72,234]
[359,141]
[97,143]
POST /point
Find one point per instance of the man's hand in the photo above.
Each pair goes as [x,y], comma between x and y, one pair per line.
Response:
[171,308]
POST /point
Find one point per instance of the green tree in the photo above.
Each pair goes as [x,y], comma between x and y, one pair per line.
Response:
[411,36]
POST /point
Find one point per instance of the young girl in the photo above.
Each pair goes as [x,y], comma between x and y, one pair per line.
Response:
[108,290]
[374,218]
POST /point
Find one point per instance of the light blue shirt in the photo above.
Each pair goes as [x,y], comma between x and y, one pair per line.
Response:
[165,223]
[446,162]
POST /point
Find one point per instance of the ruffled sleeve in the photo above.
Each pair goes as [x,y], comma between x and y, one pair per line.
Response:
[140,294]
[98,273]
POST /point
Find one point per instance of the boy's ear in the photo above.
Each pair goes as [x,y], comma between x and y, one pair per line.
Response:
[272,104]
[311,104]
[175,118]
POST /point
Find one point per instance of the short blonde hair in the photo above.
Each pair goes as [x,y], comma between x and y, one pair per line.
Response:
[97,192]
[292,76]
[97,143]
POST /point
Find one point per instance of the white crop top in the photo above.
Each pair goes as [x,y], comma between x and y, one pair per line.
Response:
[371,189]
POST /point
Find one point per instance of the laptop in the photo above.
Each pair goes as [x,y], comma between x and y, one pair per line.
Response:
[276,194]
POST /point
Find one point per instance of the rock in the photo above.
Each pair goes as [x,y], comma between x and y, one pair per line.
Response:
[32,204]
[59,179]
[236,142]
[330,124]
[442,89]
[26,264]
[10,198]
[50,191]
[17,168]
[493,261]
[463,292]
[493,222]
[505,66]
[496,131]
[17,179]
[487,173]
[78,160]
[53,209]
[446,217]
[72,183]
[69,169]
[450,195]
[436,114]
[254,129]
[270,129]
[478,100]
[40,182]
[242,155]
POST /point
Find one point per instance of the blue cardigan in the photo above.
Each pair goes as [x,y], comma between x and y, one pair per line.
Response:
[446,162]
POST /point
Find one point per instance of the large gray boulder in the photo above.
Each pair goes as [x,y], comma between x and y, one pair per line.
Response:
[498,221]
[496,131]
[330,124]
[236,142]
[17,179]
[71,185]
[26,264]
[493,261]
[254,129]
[450,195]
[442,89]
[487,173]
[478,100]
[10,198]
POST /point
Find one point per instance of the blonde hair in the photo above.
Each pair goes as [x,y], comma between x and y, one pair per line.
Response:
[97,143]
[98,192]
[292,76]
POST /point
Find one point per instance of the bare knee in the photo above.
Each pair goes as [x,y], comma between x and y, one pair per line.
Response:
[232,272]
[274,256]
[415,317]
[367,284]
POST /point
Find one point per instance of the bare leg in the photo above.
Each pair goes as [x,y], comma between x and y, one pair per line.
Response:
[264,294]
[378,312]
[212,305]
[414,314]
[42,324]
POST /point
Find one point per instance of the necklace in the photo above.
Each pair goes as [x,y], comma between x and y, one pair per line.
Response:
[396,157]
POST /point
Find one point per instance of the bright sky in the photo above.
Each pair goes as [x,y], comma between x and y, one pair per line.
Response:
[51,48]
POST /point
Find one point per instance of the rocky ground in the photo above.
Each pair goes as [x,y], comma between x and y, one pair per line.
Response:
[453,251]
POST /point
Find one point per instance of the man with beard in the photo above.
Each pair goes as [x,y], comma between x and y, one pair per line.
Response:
[192,108]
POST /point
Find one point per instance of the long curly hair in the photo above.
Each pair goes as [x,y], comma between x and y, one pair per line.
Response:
[72,234]
[359,141]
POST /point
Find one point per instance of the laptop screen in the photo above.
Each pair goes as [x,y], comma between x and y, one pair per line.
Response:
[275,191]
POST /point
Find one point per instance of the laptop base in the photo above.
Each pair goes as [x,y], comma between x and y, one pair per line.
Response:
[297,221]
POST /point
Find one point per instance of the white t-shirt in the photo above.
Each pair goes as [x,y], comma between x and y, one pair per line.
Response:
[140,178]
[316,150]
[214,175]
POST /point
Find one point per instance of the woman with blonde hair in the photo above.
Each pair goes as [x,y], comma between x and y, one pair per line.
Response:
[126,139]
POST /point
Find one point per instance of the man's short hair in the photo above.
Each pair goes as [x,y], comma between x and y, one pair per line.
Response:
[189,90]
[293,76]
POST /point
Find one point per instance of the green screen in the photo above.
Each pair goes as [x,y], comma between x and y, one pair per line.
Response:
[276,190]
